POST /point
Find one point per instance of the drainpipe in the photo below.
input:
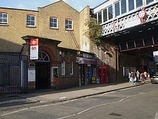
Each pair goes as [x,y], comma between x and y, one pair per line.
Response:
[117,68]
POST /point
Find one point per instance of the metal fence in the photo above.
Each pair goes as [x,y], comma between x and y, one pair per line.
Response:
[13,73]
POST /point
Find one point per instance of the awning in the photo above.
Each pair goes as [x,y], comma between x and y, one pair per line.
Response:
[82,60]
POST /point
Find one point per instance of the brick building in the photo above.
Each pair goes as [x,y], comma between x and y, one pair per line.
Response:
[66,57]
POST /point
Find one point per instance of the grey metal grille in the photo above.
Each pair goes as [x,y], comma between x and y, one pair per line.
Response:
[13,73]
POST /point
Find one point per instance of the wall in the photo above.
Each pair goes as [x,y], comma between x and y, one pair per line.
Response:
[61,10]
[85,43]
[15,29]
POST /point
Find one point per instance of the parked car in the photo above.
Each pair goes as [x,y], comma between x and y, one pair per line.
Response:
[154,78]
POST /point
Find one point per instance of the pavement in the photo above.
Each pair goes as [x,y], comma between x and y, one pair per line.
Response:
[47,96]
[77,92]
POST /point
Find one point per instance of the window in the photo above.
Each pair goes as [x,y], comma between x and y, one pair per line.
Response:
[71,68]
[95,16]
[110,12]
[3,18]
[63,68]
[43,57]
[100,17]
[117,9]
[53,22]
[104,15]
[139,3]
[123,6]
[68,24]
[149,1]
[131,4]
[30,20]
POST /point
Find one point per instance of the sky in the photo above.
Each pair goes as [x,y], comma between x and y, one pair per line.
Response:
[34,4]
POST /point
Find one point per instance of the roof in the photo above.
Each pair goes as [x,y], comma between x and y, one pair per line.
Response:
[101,4]
[58,2]
[18,9]
[27,37]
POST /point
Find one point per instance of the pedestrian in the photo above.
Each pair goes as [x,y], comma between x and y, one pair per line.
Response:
[142,77]
[145,75]
[129,74]
[137,76]
[131,78]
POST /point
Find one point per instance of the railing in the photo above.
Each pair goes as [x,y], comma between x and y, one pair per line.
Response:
[130,20]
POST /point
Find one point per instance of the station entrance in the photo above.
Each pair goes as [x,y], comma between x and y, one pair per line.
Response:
[43,71]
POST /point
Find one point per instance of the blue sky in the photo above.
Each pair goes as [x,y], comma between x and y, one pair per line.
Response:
[33,4]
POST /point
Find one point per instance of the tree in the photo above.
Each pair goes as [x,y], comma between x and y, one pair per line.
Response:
[94,31]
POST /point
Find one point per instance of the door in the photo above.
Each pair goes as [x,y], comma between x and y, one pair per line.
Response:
[42,75]
[103,74]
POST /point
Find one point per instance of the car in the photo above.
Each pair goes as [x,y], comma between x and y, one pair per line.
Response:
[154,78]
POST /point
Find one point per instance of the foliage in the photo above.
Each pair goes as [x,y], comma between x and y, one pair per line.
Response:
[94,31]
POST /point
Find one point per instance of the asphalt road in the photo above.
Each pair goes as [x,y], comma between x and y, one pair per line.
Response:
[133,103]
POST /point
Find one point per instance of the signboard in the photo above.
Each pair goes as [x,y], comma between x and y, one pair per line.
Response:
[155,54]
[142,14]
[33,48]
[31,74]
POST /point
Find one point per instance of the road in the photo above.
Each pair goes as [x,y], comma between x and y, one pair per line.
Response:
[140,102]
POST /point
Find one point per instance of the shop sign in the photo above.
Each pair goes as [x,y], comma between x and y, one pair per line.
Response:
[85,55]
[34,48]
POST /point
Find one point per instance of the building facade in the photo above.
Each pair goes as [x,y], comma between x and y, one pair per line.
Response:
[59,54]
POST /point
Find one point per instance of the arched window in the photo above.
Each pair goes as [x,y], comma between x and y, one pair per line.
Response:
[43,57]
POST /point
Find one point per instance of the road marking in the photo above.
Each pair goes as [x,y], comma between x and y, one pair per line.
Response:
[9,113]
[83,111]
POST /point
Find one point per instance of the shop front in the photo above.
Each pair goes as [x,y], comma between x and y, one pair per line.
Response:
[87,68]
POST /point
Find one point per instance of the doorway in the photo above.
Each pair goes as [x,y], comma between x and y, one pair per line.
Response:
[42,68]
[42,75]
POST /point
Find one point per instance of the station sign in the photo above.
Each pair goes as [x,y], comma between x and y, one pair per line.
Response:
[33,48]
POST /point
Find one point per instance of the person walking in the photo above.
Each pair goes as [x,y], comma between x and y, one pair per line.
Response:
[131,77]
[137,76]
[142,78]
[145,75]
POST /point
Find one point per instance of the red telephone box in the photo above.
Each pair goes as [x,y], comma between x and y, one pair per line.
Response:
[103,74]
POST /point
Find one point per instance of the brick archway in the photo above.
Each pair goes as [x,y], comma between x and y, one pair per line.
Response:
[49,52]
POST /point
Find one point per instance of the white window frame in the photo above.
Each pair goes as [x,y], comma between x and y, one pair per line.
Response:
[140,5]
[3,18]
[30,20]
[71,68]
[134,4]
[118,2]
[105,15]
[149,2]
[63,68]
[110,6]
[121,7]
[53,22]
[69,26]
